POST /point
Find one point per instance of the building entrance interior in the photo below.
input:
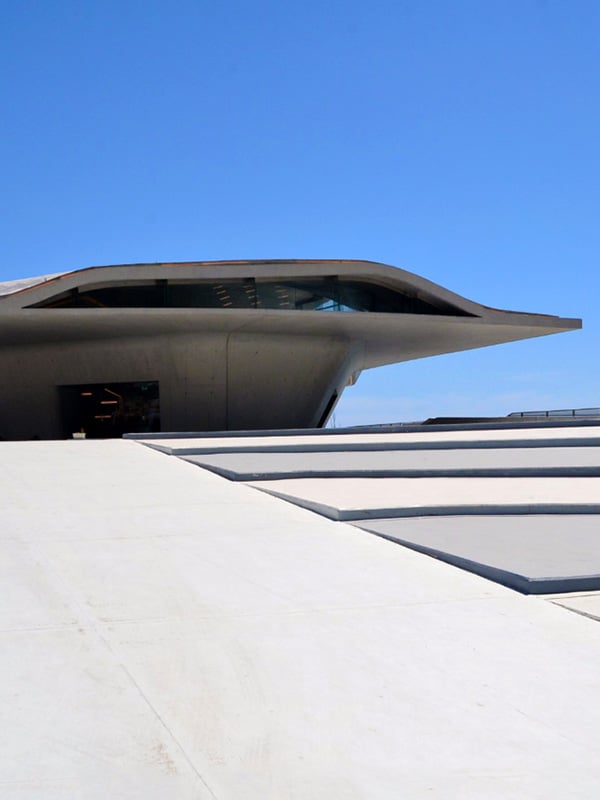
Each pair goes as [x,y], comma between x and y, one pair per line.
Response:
[108,410]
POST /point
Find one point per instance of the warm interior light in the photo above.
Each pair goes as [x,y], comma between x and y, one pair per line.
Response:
[86,394]
[109,402]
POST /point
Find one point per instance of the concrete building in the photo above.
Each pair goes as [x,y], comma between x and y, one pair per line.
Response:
[222,345]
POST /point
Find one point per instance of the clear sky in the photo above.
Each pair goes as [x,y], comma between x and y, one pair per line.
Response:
[459,140]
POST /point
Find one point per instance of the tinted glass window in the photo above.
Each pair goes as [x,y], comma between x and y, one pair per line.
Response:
[316,294]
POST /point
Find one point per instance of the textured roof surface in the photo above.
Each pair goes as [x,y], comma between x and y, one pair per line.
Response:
[11,287]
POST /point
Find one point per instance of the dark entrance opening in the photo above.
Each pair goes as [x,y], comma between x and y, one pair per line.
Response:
[108,410]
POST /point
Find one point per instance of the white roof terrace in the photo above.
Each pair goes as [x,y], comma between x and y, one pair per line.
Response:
[167,632]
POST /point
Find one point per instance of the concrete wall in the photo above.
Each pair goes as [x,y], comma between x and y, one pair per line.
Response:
[208,381]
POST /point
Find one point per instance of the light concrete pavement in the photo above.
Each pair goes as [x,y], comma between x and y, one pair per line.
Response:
[364,498]
[568,436]
[167,633]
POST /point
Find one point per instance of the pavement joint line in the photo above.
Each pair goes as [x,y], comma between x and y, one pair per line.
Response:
[296,612]
[588,614]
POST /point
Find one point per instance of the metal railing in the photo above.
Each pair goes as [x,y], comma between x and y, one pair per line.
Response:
[559,412]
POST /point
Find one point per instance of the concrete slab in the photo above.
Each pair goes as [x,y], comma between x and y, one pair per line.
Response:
[510,437]
[71,480]
[588,604]
[75,723]
[517,462]
[470,701]
[533,554]
[233,645]
[367,498]
[575,420]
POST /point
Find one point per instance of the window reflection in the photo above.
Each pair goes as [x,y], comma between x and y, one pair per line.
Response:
[316,294]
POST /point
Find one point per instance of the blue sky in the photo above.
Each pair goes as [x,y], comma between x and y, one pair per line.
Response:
[458,140]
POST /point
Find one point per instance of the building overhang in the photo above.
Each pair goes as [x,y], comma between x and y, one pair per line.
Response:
[377,338]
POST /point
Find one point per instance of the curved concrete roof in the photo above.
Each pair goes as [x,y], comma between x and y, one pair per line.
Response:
[32,290]
[381,274]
